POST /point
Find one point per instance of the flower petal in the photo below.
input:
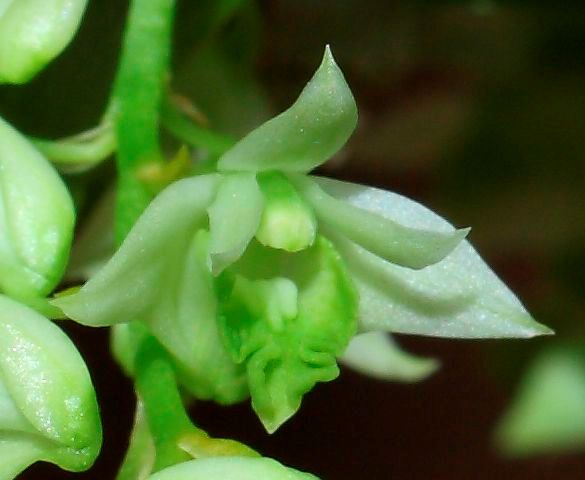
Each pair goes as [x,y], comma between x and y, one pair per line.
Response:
[232,468]
[184,320]
[160,277]
[315,127]
[458,297]
[132,280]
[53,412]
[383,236]
[377,354]
[234,217]
[286,317]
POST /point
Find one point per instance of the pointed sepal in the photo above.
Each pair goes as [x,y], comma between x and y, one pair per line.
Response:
[306,135]
[458,297]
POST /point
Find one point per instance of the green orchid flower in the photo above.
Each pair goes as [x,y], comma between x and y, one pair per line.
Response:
[48,408]
[36,219]
[33,32]
[546,416]
[257,277]
[234,468]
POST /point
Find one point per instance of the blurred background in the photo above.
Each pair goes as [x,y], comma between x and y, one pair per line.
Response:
[476,109]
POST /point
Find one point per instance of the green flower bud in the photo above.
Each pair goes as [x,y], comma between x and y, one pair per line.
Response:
[48,408]
[36,218]
[33,32]
[232,468]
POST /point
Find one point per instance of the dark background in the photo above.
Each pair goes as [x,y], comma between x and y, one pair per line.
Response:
[476,109]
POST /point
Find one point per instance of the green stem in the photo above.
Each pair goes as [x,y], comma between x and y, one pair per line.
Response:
[135,105]
[189,132]
[175,437]
[167,419]
[136,101]
[78,153]
[139,459]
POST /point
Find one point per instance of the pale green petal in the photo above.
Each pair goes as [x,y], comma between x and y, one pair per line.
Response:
[36,218]
[132,280]
[315,127]
[547,414]
[33,32]
[234,217]
[20,443]
[385,237]
[231,468]
[47,381]
[458,297]
[377,355]
[184,320]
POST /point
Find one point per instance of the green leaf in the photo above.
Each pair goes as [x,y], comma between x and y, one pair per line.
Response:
[234,217]
[547,414]
[286,317]
[386,238]
[315,127]
[377,354]
[458,297]
[33,32]
[36,218]
[48,406]
[232,468]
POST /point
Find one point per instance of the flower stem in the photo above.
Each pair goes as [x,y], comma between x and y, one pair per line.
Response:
[167,419]
[139,459]
[175,437]
[136,100]
[81,152]
[192,133]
